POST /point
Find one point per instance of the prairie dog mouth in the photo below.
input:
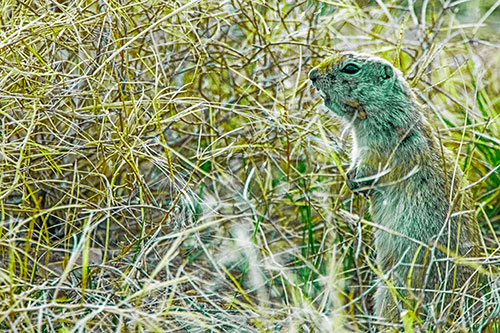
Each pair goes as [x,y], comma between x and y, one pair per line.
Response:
[324,95]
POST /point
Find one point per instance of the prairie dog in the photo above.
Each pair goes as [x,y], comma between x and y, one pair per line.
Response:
[417,193]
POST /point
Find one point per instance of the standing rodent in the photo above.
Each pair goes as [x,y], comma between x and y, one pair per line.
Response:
[418,195]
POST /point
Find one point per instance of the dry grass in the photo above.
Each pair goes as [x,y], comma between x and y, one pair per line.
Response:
[165,165]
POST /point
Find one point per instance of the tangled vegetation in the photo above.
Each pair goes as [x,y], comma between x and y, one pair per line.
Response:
[166,166]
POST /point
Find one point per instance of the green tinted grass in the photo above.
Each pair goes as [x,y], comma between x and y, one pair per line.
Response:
[166,166]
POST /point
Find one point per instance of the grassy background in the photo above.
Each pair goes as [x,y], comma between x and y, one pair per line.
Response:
[166,166]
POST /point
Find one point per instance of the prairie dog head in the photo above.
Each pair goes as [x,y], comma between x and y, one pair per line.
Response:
[360,87]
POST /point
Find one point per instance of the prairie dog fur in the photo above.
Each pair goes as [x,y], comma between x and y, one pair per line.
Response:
[414,185]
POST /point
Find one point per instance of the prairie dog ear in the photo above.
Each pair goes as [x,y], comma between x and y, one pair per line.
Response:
[386,72]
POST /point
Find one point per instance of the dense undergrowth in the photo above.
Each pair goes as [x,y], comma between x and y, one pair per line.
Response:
[166,166]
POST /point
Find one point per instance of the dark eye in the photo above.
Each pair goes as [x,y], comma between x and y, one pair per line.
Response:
[350,69]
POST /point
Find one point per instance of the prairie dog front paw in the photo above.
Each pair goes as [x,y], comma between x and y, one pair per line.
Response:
[356,185]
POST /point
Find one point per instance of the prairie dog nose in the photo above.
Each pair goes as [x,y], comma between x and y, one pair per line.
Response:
[313,75]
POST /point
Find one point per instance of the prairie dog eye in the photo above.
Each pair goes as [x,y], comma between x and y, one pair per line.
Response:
[350,69]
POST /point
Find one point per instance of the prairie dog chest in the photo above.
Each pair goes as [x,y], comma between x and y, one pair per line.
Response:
[368,152]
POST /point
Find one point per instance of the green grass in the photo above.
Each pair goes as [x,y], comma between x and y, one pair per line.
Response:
[166,165]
